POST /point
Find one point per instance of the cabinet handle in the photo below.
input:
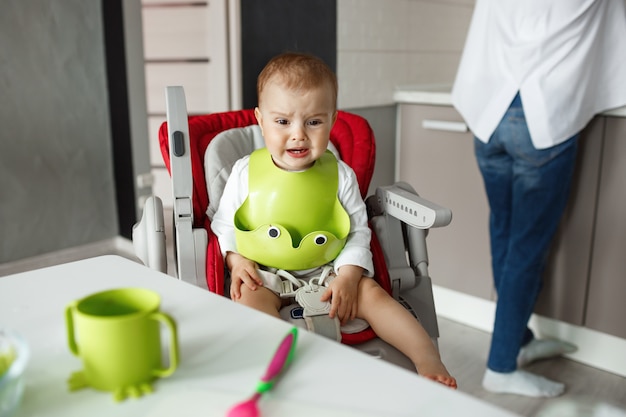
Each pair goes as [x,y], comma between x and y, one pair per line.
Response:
[444,125]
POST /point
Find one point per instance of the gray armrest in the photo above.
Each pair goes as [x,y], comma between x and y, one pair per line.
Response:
[401,219]
[402,202]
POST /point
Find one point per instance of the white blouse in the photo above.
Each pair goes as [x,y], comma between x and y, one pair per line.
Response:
[567,58]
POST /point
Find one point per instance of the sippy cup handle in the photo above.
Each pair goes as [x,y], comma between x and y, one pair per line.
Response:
[69,322]
[173,349]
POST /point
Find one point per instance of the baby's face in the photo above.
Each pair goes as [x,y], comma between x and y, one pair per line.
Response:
[296,124]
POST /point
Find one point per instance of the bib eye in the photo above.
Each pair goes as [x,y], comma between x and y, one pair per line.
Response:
[320,240]
[273,232]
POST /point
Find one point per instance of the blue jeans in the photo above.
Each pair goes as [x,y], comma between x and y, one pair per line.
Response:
[527,189]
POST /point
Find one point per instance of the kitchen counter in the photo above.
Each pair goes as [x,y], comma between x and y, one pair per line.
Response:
[439,94]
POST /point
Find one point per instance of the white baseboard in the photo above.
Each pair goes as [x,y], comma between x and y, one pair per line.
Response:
[597,349]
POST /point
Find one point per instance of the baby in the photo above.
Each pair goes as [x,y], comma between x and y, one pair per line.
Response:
[295,188]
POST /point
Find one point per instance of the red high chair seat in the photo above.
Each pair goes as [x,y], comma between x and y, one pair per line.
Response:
[351,135]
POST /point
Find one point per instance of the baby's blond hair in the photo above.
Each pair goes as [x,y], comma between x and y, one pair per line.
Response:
[298,71]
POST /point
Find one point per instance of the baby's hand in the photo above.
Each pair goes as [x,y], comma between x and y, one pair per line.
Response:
[242,271]
[343,294]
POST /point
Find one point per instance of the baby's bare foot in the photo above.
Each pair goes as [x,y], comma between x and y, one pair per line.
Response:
[446,380]
[437,372]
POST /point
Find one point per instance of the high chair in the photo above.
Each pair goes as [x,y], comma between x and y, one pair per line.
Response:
[199,152]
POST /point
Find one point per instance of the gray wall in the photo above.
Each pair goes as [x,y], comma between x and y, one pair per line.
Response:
[56,170]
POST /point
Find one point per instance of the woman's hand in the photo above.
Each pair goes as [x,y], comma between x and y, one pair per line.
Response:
[242,271]
[343,293]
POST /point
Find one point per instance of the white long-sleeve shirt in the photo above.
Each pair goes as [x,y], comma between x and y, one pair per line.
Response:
[567,58]
[355,252]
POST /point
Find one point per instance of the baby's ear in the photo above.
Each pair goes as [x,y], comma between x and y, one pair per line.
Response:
[259,118]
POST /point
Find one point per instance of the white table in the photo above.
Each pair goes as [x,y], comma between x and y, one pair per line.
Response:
[224,349]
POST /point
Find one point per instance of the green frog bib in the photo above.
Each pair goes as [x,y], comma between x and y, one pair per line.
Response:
[291,220]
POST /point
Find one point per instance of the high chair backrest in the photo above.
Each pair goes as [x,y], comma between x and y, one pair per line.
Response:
[351,135]
[353,141]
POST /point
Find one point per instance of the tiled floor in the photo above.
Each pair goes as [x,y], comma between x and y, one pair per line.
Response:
[464,351]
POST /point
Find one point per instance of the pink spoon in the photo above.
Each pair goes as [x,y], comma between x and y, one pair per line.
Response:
[281,359]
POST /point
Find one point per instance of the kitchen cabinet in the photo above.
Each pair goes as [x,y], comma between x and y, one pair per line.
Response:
[584,280]
[185,43]
[566,277]
[606,304]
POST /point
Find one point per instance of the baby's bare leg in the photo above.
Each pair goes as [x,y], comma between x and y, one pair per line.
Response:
[261,299]
[395,325]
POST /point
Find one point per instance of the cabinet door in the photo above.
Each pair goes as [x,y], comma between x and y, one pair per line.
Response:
[566,276]
[441,166]
[185,43]
[606,306]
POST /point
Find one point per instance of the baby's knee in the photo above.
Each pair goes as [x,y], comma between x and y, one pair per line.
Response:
[259,298]
[371,290]
[248,293]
